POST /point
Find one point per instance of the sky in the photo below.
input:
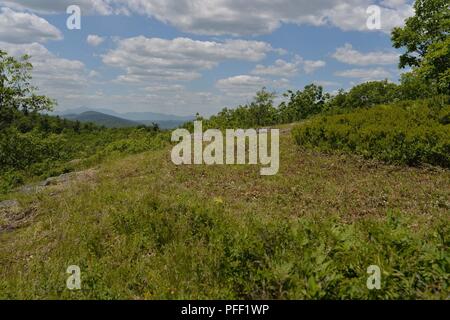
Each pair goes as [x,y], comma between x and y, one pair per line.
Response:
[186,56]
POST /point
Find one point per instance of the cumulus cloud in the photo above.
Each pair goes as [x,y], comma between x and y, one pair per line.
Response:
[178,59]
[94,40]
[282,68]
[351,56]
[393,3]
[19,27]
[312,65]
[365,74]
[325,83]
[237,17]
[348,16]
[103,7]
[247,85]
[55,76]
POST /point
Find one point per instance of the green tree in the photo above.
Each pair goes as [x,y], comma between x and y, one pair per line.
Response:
[370,94]
[436,65]
[16,92]
[425,37]
[303,104]
[262,108]
[413,87]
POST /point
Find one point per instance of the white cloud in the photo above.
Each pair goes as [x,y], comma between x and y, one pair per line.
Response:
[103,7]
[365,74]
[282,68]
[312,65]
[94,40]
[178,59]
[247,86]
[56,77]
[19,27]
[169,88]
[348,16]
[236,17]
[325,83]
[351,56]
[393,3]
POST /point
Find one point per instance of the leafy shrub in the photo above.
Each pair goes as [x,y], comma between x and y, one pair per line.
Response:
[19,150]
[405,133]
[370,94]
[10,180]
[136,143]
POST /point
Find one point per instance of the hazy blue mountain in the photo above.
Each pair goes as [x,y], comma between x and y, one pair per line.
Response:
[102,119]
[165,121]
[112,119]
[133,116]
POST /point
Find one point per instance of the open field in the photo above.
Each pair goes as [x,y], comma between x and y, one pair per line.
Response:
[141,228]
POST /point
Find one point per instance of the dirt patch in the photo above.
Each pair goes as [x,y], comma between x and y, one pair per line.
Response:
[13,216]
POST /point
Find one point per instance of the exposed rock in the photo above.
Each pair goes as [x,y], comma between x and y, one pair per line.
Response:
[8,204]
[29,188]
[60,181]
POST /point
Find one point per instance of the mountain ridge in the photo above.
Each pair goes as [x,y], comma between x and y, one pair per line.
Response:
[101,119]
[132,116]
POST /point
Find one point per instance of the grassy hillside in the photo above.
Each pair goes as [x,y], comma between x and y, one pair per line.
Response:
[142,228]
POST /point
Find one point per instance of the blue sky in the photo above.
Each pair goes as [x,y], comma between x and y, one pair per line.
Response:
[187,56]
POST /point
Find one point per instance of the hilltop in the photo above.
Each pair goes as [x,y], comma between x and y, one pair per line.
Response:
[100,116]
[140,227]
[101,119]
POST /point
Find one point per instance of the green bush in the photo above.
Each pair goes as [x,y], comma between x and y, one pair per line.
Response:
[10,180]
[137,142]
[20,150]
[410,133]
[370,94]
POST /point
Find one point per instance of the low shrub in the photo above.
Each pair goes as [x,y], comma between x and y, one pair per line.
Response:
[411,133]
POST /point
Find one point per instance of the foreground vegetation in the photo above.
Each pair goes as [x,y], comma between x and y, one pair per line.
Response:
[144,228]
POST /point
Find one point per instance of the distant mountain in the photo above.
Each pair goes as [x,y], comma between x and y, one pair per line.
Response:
[165,121]
[133,116]
[101,119]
